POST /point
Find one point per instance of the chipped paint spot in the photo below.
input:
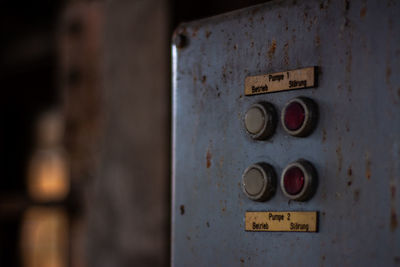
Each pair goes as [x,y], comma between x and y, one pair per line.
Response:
[339,157]
[363,11]
[323,135]
[182,209]
[367,166]
[317,41]
[286,53]
[356,195]
[349,171]
[393,216]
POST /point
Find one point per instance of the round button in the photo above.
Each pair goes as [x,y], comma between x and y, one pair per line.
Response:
[299,116]
[294,116]
[293,180]
[298,181]
[260,120]
[259,181]
[254,120]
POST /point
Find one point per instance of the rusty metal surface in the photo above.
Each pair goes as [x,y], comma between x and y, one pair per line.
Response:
[355,147]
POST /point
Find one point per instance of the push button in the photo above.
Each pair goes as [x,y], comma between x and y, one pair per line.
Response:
[259,181]
[299,116]
[298,181]
[260,120]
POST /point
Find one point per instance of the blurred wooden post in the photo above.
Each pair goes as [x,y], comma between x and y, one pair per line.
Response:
[115,73]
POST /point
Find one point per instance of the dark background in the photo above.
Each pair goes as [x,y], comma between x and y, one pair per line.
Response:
[106,65]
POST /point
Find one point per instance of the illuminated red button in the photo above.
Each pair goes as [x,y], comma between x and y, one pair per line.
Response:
[299,116]
[293,180]
[294,116]
[299,180]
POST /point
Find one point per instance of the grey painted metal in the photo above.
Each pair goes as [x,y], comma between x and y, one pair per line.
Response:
[355,146]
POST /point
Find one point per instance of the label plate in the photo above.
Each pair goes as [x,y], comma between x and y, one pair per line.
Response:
[281,221]
[280,81]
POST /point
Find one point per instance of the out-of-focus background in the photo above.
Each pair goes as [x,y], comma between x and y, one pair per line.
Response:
[85,129]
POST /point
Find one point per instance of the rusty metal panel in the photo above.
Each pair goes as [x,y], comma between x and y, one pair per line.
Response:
[355,147]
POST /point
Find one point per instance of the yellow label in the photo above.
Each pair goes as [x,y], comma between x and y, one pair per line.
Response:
[280,81]
[281,221]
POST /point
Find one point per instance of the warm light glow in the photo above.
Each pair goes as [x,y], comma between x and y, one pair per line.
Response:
[44,237]
[48,176]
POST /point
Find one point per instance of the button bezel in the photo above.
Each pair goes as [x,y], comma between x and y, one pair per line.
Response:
[310,116]
[269,177]
[270,121]
[310,180]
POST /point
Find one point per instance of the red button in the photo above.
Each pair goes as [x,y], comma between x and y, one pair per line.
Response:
[293,180]
[294,116]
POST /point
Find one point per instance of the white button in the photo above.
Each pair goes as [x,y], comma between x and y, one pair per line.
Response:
[259,181]
[253,182]
[260,120]
[254,120]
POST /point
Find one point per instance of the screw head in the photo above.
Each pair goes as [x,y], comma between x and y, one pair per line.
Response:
[180,40]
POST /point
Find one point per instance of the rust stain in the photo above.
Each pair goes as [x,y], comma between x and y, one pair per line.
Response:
[388,74]
[235,47]
[182,208]
[346,5]
[241,260]
[349,171]
[221,162]
[208,158]
[324,5]
[363,11]
[339,157]
[323,135]
[393,220]
[223,203]
[368,166]
[195,30]
[349,183]
[393,216]
[208,33]
[317,40]
[271,50]
[348,68]
[286,53]
[356,195]
[203,79]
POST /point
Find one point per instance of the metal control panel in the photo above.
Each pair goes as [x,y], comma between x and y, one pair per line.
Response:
[286,136]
